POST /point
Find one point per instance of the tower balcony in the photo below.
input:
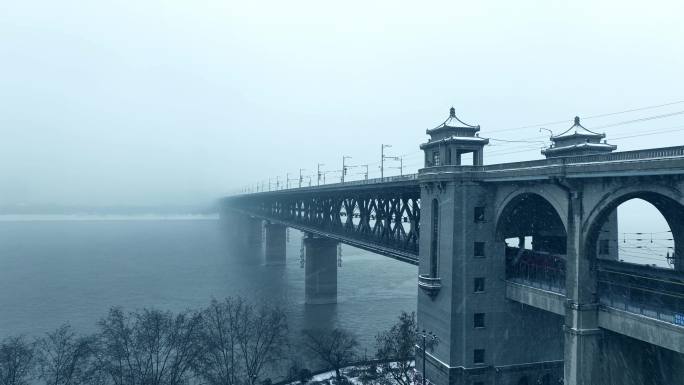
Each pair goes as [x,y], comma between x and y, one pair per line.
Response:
[431,285]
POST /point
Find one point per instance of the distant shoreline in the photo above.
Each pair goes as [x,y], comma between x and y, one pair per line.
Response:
[104,217]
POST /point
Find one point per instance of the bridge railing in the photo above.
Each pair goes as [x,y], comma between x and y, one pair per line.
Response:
[661,306]
[646,294]
[535,269]
[652,153]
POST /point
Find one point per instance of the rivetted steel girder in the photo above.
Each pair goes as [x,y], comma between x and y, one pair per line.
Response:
[387,217]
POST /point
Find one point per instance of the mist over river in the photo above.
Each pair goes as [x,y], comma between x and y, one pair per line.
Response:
[57,271]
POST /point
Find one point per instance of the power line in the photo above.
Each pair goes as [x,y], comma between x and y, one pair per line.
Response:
[552,123]
[661,116]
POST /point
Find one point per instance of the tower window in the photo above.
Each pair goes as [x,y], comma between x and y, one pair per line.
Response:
[479,214]
[479,356]
[479,249]
[479,320]
[479,284]
[434,244]
[435,158]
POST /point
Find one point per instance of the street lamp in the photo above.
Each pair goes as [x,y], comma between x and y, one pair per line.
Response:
[318,172]
[344,167]
[300,176]
[429,340]
[401,163]
[365,175]
[382,159]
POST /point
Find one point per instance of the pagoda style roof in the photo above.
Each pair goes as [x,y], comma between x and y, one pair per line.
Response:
[459,140]
[577,140]
[453,122]
[578,130]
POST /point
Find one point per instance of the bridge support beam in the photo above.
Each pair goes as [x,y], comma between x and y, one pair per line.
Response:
[321,270]
[582,334]
[275,244]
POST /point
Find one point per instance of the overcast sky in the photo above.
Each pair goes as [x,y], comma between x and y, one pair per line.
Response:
[175,102]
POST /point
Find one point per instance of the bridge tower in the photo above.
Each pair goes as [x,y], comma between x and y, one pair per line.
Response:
[578,140]
[483,338]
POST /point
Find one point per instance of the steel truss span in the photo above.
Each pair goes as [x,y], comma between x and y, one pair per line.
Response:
[383,221]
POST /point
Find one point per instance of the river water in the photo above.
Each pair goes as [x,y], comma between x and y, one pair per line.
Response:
[57,271]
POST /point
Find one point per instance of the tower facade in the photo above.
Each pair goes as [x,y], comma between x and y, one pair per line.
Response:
[483,338]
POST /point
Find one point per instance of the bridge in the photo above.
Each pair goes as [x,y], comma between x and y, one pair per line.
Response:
[518,269]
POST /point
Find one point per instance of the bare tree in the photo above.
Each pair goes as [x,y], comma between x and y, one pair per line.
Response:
[150,347]
[220,362]
[239,341]
[64,358]
[336,348]
[16,361]
[397,349]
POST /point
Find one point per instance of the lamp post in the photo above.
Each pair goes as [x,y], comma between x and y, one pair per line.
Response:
[365,175]
[428,339]
[401,163]
[300,177]
[382,159]
[318,172]
[344,166]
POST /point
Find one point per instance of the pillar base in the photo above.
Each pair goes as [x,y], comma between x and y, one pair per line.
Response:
[321,271]
[276,244]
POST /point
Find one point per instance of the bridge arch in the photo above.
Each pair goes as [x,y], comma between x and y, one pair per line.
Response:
[533,236]
[667,200]
[553,195]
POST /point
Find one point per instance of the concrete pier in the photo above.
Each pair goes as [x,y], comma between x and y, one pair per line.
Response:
[320,270]
[252,230]
[275,244]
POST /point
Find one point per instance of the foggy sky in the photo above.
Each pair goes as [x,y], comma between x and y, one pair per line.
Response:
[179,102]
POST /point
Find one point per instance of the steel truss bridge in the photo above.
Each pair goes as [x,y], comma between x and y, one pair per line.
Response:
[378,215]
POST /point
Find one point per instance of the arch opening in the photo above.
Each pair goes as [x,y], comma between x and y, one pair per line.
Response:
[636,241]
[636,232]
[535,241]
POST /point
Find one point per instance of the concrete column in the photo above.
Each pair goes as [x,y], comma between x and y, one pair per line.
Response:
[609,233]
[275,244]
[582,335]
[677,227]
[320,284]
[478,158]
[251,234]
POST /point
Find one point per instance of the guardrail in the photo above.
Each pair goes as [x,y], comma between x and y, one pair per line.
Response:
[541,277]
[661,306]
[651,292]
